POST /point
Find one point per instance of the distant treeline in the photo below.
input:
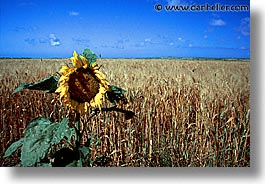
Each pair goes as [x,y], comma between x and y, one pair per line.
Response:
[169,57]
[29,58]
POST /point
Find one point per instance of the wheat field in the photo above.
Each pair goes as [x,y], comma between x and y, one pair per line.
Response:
[188,113]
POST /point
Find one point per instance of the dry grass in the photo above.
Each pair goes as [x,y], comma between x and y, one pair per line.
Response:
[188,113]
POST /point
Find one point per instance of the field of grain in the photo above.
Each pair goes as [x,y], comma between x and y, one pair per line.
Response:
[188,113]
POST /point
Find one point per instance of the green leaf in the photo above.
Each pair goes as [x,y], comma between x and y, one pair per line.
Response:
[75,163]
[116,94]
[37,125]
[19,88]
[44,165]
[64,157]
[35,146]
[90,56]
[129,115]
[49,85]
[40,135]
[13,147]
[62,131]
[85,151]
[97,142]
[85,155]
[91,139]
[50,132]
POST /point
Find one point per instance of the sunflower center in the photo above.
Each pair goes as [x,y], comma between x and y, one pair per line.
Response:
[83,85]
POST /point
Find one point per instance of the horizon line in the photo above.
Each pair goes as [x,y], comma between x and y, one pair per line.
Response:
[162,57]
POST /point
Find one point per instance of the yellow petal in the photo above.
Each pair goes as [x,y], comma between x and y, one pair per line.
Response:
[86,106]
[84,61]
[63,78]
[62,90]
[58,90]
[99,75]
[64,69]
[95,66]
[98,99]
[75,60]
[105,84]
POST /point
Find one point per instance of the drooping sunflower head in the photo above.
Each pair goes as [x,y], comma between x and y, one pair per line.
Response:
[82,85]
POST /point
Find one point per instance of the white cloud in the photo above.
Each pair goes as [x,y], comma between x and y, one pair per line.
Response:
[245,26]
[180,39]
[144,43]
[73,13]
[81,40]
[205,36]
[147,40]
[54,41]
[30,41]
[217,22]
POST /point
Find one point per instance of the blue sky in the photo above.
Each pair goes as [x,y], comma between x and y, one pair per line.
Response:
[119,28]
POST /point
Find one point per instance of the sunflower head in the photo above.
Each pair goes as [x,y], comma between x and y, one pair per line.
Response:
[82,85]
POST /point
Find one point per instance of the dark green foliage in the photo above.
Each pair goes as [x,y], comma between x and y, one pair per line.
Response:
[90,56]
[13,147]
[63,131]
[36,143]
[85,156]
[65,157]
[76,157]
[40,135]
[116,94]
[129,115]
[49,85]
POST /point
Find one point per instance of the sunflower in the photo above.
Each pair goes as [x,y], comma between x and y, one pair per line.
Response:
[82,85]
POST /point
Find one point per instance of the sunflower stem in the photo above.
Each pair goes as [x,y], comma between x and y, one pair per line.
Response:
[85,124]
[77,129]
[128,114]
